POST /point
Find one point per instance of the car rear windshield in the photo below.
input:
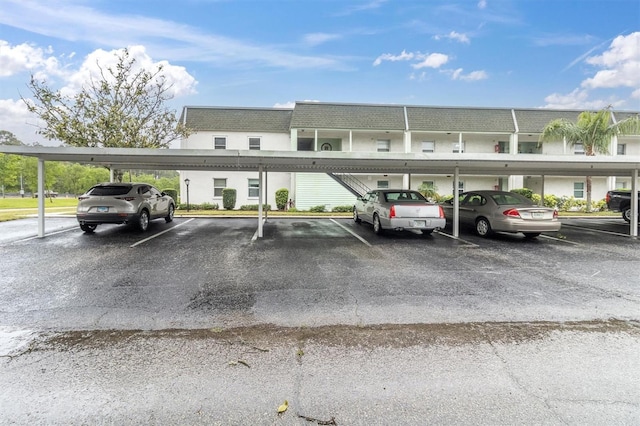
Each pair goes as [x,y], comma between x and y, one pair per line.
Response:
[110,190]
[510,199]
[404,196]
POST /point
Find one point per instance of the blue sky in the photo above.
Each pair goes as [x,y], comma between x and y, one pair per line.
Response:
[576,54]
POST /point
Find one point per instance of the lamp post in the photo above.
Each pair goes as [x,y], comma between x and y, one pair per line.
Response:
[186,182]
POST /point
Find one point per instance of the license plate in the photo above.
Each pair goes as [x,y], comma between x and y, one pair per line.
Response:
[419,223]
[102,209]
[537,215]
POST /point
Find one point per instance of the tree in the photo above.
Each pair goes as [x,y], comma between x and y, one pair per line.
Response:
[594,130]
[121,108]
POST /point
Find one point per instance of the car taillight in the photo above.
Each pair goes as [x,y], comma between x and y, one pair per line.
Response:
[511,213]
[125,198]
[392,212]
[607,197]
[555,214]
[441,212]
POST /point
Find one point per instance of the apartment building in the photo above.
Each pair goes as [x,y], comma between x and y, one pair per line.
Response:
[370,128]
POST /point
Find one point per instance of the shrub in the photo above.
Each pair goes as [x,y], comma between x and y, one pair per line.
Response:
[536,199]
[293,209]
[172,193]
[228,198]
[599,206]
[254,207]
[550,200]
[209,206]
[524,191]
[342,209]
[317,209]
[282,197]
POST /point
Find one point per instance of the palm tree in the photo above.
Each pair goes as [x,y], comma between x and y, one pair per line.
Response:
[593,130]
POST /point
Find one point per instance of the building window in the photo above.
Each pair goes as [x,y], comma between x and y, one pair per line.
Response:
[460,187]
[254,188]
[578,149]
[578,189]
[219,142]
[502,147]
[458,147]
[428,146]
[254,143]
[218,186]
[622,149]
[428,184]
[384,145]
[621,185]
[383,184]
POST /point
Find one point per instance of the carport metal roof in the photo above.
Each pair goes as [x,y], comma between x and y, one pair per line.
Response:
[323,161]
[330,161]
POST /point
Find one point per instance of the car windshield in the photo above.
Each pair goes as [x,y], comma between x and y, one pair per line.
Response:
[404,196]
[510,199]
[110,190]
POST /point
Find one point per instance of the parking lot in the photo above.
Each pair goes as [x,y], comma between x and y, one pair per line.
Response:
[309,278]
[202,272]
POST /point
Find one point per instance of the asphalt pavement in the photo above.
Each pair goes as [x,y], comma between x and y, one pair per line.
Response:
[201,322]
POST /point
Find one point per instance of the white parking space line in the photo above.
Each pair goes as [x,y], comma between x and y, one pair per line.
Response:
[459,239]
[558,239]
[597,230]
[351,232]
[47,234]
[160,233]
[548,237]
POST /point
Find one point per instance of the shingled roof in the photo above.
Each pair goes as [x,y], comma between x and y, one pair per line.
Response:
[233,119]
[441,119]
[340,116]
[317,115]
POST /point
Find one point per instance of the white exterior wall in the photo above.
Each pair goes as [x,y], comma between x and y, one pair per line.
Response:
[319,189]
[201,183]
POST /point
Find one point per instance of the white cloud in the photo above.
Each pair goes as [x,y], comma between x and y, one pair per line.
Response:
[434,60]
[456,36]
[404,56]
[621,64]
[316,39]
[579,99]
[181,82]
[287,105]
[26,57]
[73,21]
[482,4]
[19,121]
[472,76]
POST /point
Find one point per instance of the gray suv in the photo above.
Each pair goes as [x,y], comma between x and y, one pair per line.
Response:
[134,203]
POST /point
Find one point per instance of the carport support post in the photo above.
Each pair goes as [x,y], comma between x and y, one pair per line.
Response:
[634,204]
[456,200]
[40,198]
[260,201]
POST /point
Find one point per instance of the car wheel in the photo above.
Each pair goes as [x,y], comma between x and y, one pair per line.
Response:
[356,218]
[143,220]
[483,228]
[88,228]
[531,234]
[169,217]
[626,214]
[427,231]
[377,228]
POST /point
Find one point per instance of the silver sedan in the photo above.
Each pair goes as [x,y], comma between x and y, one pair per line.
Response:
[501,211]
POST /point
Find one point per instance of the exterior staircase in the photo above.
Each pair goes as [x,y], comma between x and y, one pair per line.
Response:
[351,183]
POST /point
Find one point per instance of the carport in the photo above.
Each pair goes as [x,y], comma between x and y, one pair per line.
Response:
[454,164]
